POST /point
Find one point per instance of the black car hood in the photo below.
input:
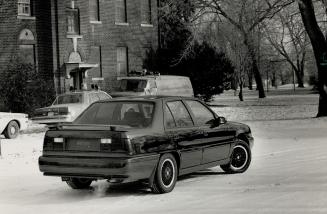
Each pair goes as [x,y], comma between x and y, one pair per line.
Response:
[240,127]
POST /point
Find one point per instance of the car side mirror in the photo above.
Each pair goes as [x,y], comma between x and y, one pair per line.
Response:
[218,121]
[221,120]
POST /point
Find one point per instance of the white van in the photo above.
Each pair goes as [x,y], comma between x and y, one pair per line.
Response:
[154,85]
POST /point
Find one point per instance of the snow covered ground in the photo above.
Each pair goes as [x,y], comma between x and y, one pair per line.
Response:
[278,105]
[288,173]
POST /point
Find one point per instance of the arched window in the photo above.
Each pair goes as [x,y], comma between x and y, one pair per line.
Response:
[27,47]
[26,34]
[74,57]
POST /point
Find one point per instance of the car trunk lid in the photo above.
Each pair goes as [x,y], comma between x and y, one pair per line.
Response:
[87,138]
[51,111]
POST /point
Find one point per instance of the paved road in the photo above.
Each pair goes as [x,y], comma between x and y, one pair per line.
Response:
[288,175]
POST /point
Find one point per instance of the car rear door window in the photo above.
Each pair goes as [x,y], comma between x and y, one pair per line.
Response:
[169,120]
[180,114]
[201,113]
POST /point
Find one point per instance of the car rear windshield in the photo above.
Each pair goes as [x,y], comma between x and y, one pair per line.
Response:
[135,85]
[68,98]
[121,113]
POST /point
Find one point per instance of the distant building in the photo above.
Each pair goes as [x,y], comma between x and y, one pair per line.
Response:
[78,42]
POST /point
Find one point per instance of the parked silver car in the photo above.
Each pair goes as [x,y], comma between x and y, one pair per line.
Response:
[68,106]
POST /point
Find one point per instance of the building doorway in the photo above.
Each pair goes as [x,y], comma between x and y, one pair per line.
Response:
[76,79]
[76,72]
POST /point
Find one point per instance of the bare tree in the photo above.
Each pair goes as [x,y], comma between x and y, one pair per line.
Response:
[241,60]
[245,16]
[238,54]
[319,45]
[287,35]
[224,37]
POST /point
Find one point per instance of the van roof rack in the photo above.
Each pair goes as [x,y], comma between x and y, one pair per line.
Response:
[142,73]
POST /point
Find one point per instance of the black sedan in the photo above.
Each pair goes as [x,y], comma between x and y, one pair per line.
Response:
[151,139]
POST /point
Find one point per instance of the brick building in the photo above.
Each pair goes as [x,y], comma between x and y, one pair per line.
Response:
[78,42]
[17,33]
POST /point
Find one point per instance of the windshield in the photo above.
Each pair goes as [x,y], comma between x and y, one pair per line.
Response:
[122,113]
[68,98]
[135,85]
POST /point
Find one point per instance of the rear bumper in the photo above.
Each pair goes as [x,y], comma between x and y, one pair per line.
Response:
[127,169]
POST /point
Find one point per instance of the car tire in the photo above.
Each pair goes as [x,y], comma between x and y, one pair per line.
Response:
[166,174]
[12,130]
[240,158]
[79,183]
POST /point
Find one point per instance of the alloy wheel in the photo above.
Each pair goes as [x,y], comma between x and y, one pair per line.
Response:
[239,157]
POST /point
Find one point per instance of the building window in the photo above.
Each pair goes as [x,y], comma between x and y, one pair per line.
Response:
[96,58]
[24,8]
[121,16]
[26,35]
[122,61]
[94,10]
[27,51]
[27,54]
[73,21]
[146,11]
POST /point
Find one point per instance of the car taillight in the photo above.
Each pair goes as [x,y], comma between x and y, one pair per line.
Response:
[115,145]
[105,141]
[63,111]
[47,143]
[58,140]
[53,144]
[129,147]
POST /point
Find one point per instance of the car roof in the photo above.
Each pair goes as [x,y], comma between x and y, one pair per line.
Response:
[153,77]
[81,92]
[148,98]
